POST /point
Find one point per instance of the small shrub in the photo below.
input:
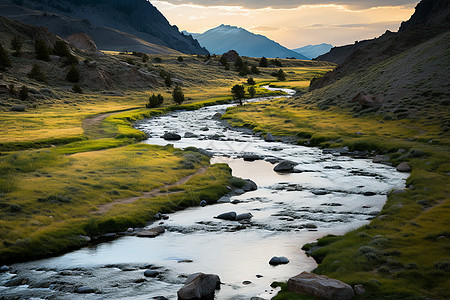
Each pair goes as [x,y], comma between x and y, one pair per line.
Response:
[130,61]
[60,48]
[144,57]
[5,62]
[73,75]
[239,63]
[180,58]
[23,93]
[251,81]
[178,95]
[277,63]
[244,70]
[77,89]
[55,199]
[168,80]
[157,59]
[237,182]
[223,60]
[443,266]
[281,76]
[12,89]
[37,74]
[254,69]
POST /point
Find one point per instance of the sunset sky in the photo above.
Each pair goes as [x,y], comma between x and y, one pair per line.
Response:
[292,23]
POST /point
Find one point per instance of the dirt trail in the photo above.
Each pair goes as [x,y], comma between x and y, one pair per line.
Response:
[92,126]
[154,193]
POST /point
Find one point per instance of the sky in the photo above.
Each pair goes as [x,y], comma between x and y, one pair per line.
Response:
[292,23]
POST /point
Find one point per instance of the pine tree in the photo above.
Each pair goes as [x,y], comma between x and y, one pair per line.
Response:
[4,59]
[42,51]
[238,92]
[16,45]
[251,91]
[178,95]
[263,62]
[37,74]
[73,75]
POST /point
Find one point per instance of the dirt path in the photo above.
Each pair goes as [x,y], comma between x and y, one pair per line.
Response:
[92,126]
[154,193]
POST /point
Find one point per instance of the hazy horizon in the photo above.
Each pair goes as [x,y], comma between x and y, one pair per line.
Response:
[293,24]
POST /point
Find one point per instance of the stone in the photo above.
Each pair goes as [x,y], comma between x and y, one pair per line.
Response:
[231,216]
[129,230]
[216,116]
[84,290]
[204,129]
[244,216]
[278,260]
[203,203]
[319,192]
[199,286]
[269,138]
[320,286]
[246,282]
[403,167]
[231,56]
[249,185]
[284,167]
[251,157]
[366,100]
[4,269]
[151,273]
[359,289]
[171,136]
[190,135]
[239,191]
[369,193]
[236,201]
[151,233]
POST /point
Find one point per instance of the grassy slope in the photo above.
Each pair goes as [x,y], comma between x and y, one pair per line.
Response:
[49,196]
[404,252]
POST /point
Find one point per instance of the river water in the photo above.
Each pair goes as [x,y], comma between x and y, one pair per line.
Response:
[288,212]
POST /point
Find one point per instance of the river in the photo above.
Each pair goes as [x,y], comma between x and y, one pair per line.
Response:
[288,212]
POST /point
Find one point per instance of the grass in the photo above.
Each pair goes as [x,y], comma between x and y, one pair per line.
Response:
[404,252]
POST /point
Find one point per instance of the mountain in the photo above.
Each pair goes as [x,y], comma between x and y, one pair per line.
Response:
[397,75]
[133,25]
[225,37]
[312,51]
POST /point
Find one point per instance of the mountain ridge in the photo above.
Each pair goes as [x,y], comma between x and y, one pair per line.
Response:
[223,38]
[312,51]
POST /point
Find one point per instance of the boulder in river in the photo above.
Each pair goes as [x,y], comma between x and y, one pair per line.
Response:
[249,185]
[285,166]
[319,192]
[190,135]
[320,286]
[4,269]
[203,203]
[403,167]
[216,116]
[278,260]
[230,216]
[171,136]
[269,138]
[151,233]
[199,286]
[251,157]
[244,216]
[151,273]
[84,290]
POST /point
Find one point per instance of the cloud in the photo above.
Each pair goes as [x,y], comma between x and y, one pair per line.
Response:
[265,28]
[284,4]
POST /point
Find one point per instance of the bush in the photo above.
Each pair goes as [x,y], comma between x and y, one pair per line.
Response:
[239,64]
[223,60]
[168,80]
[77,89]
[23,93]
[263,62]
[60,48]
[251,91]
[37,74]
[42,51]
[4,59]
[255,70]
[251,81]
[238,92]
[157,59]
[155,101]
[281,76]
[73,75]
[130,61]
[178,95]
[180,59]
[144,57]
[16,45]
[12,89]
[277,63]
[244,70]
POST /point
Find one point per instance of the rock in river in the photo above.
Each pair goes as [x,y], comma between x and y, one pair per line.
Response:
[151,273]
[151,233]
[4,269]
[403,167]
[199,286]
[320,286]
[249,185]
[84,290]
[251,157]
[285,167]
[269,138]
[244,216]
[171,136]
[231,216]
[278,260]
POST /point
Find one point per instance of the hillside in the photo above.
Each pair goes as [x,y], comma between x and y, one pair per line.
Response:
[223,38]
[115,25]
[313,51]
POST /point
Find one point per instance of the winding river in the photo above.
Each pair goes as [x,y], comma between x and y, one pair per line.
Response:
[329,194]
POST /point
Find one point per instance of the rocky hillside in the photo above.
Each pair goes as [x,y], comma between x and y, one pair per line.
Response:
[398,75]
[114,25]
[223,38]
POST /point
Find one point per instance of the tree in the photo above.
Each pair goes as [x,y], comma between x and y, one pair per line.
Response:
[16,45]
[281,75]
[73,75]
[238,92]
[37,74]
[223,60]
[178,95]
[155,101]
[277,63]
[244,70]
[144,57]
[4,59]
[252,91]
[42,51]
[168,80]
[251,81]
[238,63]
[263,62]
[60,48]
